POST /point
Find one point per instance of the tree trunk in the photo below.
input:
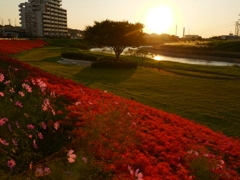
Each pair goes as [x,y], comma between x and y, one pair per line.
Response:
[118,51]
[117,56]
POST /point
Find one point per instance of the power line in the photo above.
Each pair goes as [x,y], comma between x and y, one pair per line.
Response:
[217,27]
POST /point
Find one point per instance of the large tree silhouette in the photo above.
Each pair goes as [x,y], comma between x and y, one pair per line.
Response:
[117,35]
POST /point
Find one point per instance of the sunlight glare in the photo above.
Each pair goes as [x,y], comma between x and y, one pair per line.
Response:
[159,19]
[158,58]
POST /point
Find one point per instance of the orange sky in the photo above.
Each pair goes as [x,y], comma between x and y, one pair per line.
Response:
[202,17]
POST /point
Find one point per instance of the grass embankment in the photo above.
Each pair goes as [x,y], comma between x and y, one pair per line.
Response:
[78,43]
[206,94]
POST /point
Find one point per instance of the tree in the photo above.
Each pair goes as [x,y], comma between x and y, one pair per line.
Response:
[117,35]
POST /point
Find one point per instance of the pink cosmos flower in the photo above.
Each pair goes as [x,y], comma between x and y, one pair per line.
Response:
[21,93]
[130,170]
[4,142]
[3,121]
[27,87]
[222,162]
[44,126]
[11,163]
[40,135]
[71,156]
[1,77]
[7,82]
[39,172]
[90,103]
[138,176]
[31,165]
[46,104]
[41,84]
[42,172]
[78,103]
[14,142]
[35,144]
[26,115]
[56,125]
[30,126]
[84,159]
[33,82]
[53,94]
[17,124]
[9,127]
[12,90]
[1,94]
[53,112]
[18,104]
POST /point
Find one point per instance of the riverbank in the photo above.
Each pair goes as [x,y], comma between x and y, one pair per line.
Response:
[197,54]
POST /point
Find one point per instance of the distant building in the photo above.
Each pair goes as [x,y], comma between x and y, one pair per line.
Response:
[9,31]
[75,34]
[43,18]
[192,37]
[230,36]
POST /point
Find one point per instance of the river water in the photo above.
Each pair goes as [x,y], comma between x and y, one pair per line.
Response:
[158,57]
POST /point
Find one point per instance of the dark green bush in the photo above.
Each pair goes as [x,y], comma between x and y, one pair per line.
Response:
[112,63]
[232,46]
[80,46]
[79,56]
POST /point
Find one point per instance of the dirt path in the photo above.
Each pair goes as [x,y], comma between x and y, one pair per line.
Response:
[75,62]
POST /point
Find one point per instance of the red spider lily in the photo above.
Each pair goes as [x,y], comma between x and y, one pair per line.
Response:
[8,47]
[140,136]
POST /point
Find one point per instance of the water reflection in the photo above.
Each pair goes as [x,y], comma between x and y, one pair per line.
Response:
[144,53]
[193,61]
[158,58]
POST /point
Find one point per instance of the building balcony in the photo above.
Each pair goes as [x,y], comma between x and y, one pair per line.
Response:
[58,3]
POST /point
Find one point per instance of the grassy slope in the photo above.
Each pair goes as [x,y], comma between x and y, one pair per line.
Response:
[208,95]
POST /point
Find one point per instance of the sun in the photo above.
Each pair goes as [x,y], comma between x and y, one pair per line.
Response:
[159,19]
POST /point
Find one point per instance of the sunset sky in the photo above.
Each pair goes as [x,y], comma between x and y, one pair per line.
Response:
[200,17]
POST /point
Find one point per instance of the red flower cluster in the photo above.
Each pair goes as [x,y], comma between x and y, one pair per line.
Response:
[160,146]
[8,47]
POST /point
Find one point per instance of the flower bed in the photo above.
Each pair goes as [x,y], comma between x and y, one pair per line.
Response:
[8,47]
[131,140]
[130,136]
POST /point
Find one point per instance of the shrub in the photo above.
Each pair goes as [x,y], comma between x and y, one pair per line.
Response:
[108,63]
[79,56]
[81,46]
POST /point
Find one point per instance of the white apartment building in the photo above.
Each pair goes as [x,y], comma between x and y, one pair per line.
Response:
[43,18]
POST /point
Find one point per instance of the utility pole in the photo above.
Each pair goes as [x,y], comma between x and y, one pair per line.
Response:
[237,27]
[2,26]
[183,32]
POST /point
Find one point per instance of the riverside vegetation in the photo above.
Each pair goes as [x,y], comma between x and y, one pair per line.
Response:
[151,144]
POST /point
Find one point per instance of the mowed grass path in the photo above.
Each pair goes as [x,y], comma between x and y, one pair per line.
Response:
[208,95]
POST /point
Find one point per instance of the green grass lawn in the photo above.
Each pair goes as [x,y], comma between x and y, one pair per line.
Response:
[209,95]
